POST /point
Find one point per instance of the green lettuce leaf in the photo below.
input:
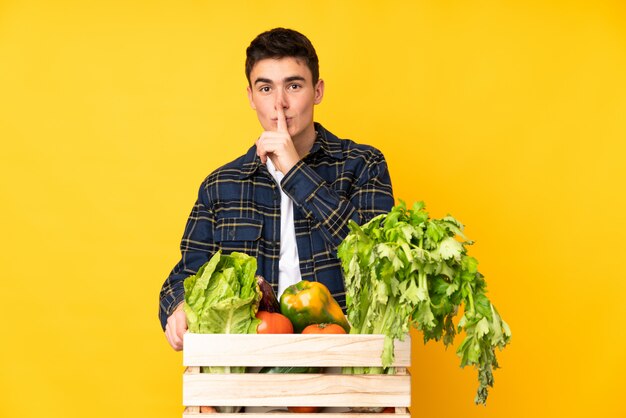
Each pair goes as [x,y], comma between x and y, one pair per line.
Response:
[223,297]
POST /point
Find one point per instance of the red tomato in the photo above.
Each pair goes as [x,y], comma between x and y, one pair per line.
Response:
[324,329]
[303,409]
[207,410]
[273,323]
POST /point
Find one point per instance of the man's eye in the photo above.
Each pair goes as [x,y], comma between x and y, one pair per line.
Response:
[264,89]
[294,86]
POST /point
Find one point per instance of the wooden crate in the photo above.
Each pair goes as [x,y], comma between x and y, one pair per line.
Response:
[332,391]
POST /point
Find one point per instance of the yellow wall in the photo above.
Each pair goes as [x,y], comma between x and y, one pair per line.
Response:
[509,115]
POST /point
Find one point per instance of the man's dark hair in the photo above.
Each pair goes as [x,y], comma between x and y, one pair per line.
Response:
[281,43]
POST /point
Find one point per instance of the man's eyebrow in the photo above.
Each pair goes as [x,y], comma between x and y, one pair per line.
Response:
[295,78]
[263,80]
[287,79]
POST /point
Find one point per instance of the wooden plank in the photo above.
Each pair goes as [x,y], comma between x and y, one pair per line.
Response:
[294,415]
[281,390]
[319,350]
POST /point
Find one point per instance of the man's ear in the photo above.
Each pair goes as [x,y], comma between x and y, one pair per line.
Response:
[249,90]
[319,91]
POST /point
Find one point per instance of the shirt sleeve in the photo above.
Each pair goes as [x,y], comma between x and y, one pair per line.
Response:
[196,247]
[371,195]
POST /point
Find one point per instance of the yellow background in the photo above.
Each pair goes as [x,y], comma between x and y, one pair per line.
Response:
[511,116]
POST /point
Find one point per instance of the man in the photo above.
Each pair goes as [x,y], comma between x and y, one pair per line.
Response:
[288,201]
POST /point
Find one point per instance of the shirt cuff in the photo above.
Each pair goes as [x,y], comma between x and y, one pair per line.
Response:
[169,305]
[301,182]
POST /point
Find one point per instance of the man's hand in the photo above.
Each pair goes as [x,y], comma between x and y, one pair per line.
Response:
[278,145]
[176,327]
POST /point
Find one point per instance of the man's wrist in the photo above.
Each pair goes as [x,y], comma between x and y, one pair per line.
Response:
[289,166]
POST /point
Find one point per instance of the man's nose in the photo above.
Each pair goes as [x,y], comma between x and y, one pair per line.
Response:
[281,100]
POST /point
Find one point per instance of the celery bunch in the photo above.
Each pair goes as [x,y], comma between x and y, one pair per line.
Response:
[402,270]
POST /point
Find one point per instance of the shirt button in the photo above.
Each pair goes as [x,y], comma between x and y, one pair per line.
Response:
[232,233]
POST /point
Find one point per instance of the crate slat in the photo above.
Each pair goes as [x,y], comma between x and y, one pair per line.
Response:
[281,390]
[315,350]
[188,414]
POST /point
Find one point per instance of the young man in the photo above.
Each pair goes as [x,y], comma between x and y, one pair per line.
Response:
[288,200]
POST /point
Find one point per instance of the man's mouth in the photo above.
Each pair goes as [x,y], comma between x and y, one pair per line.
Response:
[287,121]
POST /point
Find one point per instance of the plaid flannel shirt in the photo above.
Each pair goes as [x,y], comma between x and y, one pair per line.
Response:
[238,209]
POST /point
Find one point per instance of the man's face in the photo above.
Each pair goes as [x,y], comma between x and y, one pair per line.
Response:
[285,82]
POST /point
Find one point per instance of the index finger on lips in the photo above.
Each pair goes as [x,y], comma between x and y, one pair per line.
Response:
[281,122]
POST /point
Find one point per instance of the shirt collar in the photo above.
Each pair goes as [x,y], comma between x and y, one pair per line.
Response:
[325,142]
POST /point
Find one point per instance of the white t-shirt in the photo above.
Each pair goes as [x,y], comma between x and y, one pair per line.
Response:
[289,264]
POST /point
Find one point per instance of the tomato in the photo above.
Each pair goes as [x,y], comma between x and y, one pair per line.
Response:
[389,410]
[324,329]
[303,409]
[273,323]
[207,410]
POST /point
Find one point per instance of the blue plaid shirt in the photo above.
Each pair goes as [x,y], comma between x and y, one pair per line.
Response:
[238,209]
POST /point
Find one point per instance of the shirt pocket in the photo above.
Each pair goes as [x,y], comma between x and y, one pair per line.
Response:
[238,234]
